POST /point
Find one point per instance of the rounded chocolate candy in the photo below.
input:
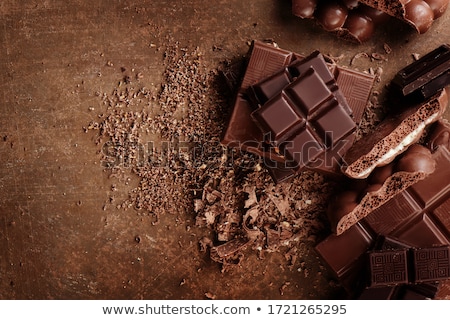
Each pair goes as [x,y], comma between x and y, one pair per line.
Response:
[441,139]
[419,14]
[304,8]
[438,7]
[416,159]
[417,148]
[331,16]
[359,26]
[372,188]
[377,16]
[380,174]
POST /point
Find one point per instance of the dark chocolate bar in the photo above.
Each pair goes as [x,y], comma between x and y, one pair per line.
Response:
[330,160]
[427,75]
[265,90]
[392,273]
[345,256]
[424,205]
[431,264]
[242,133]
[409,265]
[389,267]
[418,216]
[305,119]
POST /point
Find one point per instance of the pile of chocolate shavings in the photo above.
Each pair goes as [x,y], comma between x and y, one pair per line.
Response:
[227,191]
[254,212]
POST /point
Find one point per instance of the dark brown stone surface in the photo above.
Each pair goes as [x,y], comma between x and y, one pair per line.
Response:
[72,72]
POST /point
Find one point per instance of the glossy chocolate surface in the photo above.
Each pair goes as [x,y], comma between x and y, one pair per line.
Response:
[388,267]
[365,196]
[417,217]
[417,13]
[400,129]
[256,88]
[348,19]
[304,119]
[427,75]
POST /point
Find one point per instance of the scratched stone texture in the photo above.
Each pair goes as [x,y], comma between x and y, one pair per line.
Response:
[60,238]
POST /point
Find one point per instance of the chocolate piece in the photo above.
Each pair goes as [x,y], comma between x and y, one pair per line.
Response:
[440,135]
[431,264]
[422,208]
[348,19]
[440,82]
[424,204]
[427,75]
[392,270]
[345,256]
[304,119]
[418,216]
[393,136]
[265,90]
[409,265]
[265,60]
[417,13]
[383,184]
[388,267]
[355,87]
[242,133]
[227,250]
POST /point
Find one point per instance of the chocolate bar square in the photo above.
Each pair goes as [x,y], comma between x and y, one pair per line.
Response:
[431,264]
[304,119]
[388,267]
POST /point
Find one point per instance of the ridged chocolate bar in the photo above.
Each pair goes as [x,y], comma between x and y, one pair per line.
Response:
[415,266]
[241,133]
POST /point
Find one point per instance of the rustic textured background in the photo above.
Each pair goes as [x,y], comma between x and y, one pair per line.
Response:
[61,233]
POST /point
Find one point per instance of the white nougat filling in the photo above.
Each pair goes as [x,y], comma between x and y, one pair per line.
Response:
[409,139]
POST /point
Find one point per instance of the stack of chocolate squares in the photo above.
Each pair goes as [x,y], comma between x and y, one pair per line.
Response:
[300,113]
[296,112]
